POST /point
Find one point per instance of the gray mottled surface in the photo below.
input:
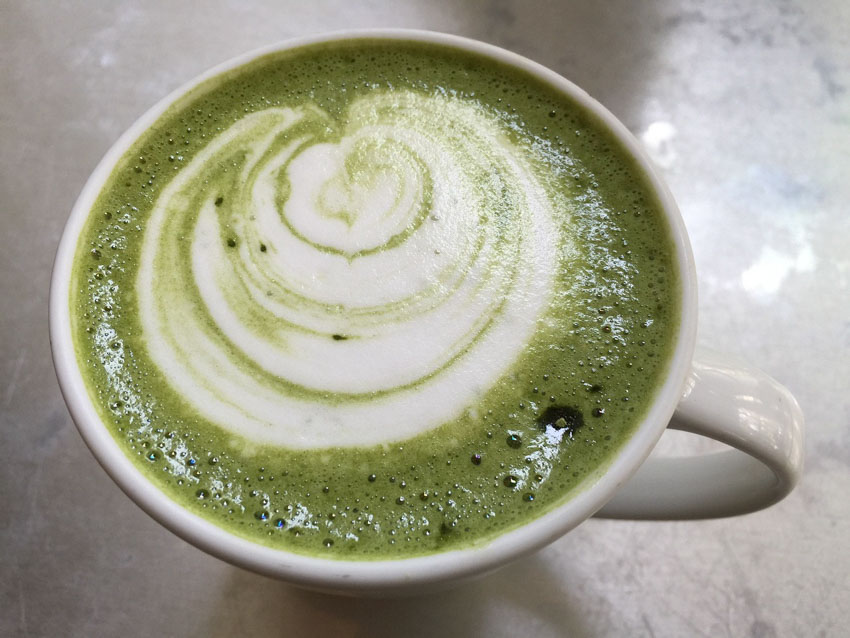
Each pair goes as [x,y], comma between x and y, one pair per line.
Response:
[746,108]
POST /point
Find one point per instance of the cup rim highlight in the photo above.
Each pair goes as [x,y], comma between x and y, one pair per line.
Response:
[370,575]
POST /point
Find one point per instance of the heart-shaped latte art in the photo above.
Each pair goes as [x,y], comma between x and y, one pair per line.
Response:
[358,195]
[356,282]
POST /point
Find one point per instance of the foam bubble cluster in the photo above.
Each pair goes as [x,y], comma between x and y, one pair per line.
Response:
[314,282]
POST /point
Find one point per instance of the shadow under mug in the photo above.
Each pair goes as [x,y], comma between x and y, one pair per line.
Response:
[707,395]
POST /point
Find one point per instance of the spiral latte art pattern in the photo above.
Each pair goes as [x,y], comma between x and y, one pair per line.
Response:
[355,282]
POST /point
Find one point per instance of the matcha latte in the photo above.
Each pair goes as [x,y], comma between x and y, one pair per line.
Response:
[370,299]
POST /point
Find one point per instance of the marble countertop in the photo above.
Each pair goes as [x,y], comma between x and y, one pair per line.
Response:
[746,109]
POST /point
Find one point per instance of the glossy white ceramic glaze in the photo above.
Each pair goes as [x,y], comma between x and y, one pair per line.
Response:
[741,406]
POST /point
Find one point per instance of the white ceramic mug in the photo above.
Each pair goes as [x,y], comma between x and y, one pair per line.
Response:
[736,405]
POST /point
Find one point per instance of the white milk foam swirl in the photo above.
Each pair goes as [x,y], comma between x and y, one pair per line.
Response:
[310,283]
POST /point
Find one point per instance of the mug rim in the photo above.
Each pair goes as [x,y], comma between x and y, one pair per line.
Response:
[387,574]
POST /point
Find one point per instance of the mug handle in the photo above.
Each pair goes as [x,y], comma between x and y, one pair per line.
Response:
[735,404]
